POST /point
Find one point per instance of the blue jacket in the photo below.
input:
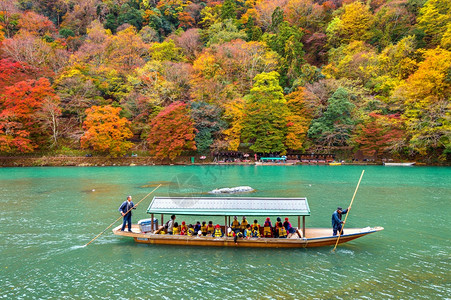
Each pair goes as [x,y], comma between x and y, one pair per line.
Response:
[123,208]
[336,218]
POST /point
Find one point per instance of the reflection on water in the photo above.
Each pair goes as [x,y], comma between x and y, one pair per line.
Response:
[48,214]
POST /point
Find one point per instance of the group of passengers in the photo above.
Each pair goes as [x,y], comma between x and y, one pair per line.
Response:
[279,230]
[236,229]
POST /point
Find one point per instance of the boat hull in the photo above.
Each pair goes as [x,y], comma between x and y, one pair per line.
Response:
[309,242]
[408,164]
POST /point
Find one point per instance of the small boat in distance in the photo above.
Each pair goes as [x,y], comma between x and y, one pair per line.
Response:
[334,163]
[406,164]
[238,206]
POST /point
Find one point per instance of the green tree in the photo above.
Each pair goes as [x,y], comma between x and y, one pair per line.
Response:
[287,43]
[264,123]
[207,120]
[228,10]
[222,32]
[333,129]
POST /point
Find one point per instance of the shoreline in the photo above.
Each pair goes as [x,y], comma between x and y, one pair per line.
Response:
[81,161]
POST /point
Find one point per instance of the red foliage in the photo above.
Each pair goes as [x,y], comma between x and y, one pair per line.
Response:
[20,105]
[12,72]
[172,132]
[380,134]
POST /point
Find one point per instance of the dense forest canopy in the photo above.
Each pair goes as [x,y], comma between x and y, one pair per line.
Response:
[266,76]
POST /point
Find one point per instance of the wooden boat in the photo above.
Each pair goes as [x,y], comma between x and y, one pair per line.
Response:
[273,161]
[406,164]
[239,206]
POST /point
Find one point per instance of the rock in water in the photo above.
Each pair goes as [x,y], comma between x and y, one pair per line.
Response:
[233,190]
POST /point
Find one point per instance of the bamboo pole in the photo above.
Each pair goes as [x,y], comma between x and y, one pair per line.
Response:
[121,216]
[350,205]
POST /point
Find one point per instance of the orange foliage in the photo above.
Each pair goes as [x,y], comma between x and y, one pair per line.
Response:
[106,131]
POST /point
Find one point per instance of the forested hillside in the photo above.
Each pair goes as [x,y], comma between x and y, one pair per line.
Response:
[266,76]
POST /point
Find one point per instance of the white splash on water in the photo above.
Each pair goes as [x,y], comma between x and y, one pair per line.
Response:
[233,190]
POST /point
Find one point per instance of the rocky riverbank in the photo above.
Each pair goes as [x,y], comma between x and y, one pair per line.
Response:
[74,161]
[99,161]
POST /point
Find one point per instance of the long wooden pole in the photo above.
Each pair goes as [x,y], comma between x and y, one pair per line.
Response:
[350,205]
[121,216]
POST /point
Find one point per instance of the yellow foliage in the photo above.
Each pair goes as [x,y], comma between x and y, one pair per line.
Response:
[234,112]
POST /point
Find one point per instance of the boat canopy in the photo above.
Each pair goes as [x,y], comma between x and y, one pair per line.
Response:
[273,158]
[229,206]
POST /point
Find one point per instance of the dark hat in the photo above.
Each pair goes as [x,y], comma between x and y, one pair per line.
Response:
[339,208]
[278,219]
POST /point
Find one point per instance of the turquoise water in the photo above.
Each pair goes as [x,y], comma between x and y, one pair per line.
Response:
[49,213]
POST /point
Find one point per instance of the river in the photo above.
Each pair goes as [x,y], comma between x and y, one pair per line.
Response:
[49,213]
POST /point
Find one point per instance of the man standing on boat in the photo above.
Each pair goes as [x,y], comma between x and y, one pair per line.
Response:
[125,210]
[336,219]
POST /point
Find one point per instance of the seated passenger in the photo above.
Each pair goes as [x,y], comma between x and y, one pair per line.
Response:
[267,228]
[183,228]
[210,228]
[248,232]
[255,226]
[190,231]
[230,232]
[235,224]
[244,224]
[256,231]
[203,228]
[290,230]
[276,228]
[197,228]
[176,229]
[218,232]
[282,232]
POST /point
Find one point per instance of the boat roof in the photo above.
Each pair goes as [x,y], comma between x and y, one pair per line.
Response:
[229,206]
[273,158]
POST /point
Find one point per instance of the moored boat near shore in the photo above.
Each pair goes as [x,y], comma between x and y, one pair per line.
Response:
[405,164]
[232,206]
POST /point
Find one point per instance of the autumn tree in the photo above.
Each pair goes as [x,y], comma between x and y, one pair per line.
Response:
[171,132]
[223,32]
[380,134]
[434,18]
[20,105]
[225,72]
[36,24]
[12,72]
[234,115]
[106,131]
[298,120]
[27,48]
[354,24]
[426,97]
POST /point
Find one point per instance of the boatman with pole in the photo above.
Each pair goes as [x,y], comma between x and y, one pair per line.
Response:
[125,210]
[336,219]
